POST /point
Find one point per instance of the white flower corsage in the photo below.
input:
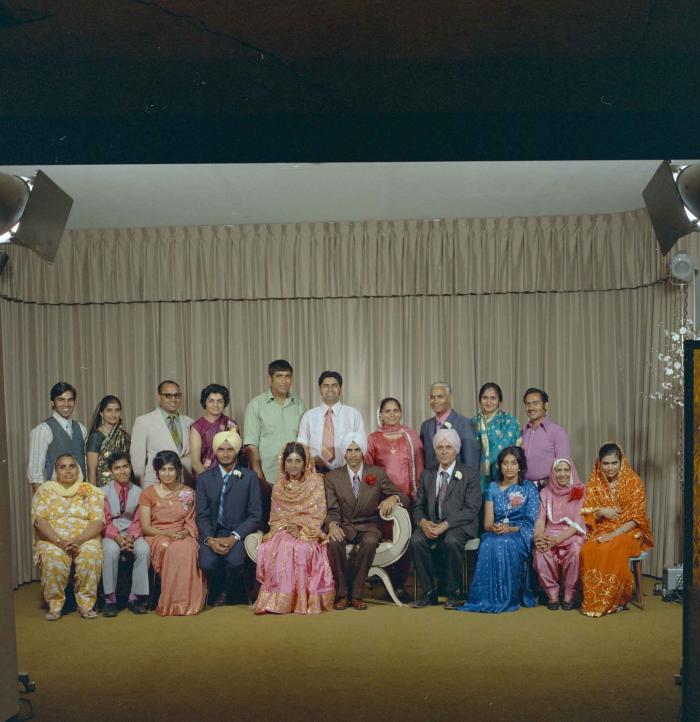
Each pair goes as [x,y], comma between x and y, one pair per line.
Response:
[447,425]
[458,474]
[237,472]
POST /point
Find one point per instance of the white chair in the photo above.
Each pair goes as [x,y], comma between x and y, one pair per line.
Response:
[388,552]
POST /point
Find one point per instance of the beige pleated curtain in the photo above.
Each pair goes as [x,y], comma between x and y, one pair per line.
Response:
[576,305]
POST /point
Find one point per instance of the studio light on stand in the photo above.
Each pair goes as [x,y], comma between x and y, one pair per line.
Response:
[33,213]
[681,268]
[672,198]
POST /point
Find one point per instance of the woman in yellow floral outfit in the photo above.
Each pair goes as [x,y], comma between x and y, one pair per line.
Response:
[68,517]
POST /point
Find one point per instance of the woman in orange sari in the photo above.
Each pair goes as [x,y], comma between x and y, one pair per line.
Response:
[614,510]
[168,524]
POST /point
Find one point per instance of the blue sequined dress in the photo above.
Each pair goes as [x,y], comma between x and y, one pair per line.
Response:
[500,578]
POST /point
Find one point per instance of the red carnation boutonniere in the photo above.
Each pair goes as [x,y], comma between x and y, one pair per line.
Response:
[370,479]
[84,491]
[576,493]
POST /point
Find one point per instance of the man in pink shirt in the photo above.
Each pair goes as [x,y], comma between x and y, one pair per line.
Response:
[123,537]
[543,440]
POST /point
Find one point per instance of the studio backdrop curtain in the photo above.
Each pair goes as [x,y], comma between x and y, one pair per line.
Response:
[576,305]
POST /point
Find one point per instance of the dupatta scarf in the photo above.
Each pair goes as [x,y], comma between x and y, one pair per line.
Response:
[562,504]
[629,497]
[299,505]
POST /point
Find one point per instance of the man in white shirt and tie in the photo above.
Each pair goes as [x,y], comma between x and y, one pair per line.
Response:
[324,427]
[57,435]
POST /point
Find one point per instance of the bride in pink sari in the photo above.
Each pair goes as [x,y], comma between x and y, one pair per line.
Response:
[293,564]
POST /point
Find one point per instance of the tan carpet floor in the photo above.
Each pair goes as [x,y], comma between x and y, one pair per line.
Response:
[385,663]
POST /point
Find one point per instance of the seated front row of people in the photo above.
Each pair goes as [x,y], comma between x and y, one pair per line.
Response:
[311,527]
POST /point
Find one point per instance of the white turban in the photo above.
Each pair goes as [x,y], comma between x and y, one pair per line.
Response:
[359,438]
[448,435]
[231,436]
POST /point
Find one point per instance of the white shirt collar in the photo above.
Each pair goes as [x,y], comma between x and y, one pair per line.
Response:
[67,424]
[359,472]
[450,470]
[335,408]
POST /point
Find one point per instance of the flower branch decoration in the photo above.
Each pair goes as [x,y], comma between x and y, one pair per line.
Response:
[668,366]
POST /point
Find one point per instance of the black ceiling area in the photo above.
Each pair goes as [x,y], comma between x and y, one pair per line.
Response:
[214,81]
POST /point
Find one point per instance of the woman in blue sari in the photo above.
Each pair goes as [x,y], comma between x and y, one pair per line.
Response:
[511,506]
[495,429]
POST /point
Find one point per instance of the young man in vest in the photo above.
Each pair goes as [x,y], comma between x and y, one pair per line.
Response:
[57,435]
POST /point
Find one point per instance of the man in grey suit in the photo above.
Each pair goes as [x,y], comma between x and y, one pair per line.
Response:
[447,418]
[164,428]
[446,515]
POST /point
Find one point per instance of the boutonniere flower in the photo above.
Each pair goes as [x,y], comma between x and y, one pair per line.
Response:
[516,499]
[84,490]
[237,472]
[458,474]
[576,493]
[447,425]
[370,479]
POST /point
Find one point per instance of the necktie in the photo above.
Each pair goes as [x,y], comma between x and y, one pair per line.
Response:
[441,494]
[328,440]
[123,495]
[221,500]
[356,485]
[174,432]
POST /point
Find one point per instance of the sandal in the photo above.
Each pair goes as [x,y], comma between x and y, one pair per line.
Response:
[52,616]
[552,605]
[89,614]
[567,605]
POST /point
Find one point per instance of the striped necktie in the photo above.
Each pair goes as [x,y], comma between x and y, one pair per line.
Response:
[222,498]
[174,432]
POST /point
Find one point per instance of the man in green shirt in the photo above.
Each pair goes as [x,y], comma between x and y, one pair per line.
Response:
[271,420]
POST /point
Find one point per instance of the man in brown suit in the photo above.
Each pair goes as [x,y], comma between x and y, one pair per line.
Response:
[354,496]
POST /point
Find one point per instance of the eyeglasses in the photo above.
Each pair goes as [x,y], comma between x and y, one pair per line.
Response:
[171,397]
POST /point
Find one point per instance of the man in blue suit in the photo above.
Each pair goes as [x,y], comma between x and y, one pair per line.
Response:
[228,509]
[447,418]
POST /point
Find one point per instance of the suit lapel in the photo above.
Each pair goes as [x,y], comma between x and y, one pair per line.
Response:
[344,488]
[365,490]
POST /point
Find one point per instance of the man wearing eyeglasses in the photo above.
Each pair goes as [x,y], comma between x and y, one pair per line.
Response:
[161,429]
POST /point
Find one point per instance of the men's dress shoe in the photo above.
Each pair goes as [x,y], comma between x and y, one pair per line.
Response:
[567,606]
[453,603]
[137,607]
[403,596]
[430,599]
[110,610]
[218,600]
[553,606]
[341,603]
[358,604]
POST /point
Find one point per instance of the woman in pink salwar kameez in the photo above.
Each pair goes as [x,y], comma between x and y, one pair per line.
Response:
[293,567]
[560,532]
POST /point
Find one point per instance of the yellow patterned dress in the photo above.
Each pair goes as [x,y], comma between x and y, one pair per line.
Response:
[68,516]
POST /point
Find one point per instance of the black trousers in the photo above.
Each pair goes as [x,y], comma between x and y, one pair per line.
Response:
[450,546]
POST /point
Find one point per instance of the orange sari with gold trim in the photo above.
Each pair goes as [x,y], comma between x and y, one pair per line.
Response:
[605,571]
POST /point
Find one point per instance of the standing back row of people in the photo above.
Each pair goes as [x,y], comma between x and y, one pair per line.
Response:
[278,415]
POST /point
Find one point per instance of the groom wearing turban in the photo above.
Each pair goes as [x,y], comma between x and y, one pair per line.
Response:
[228,509]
